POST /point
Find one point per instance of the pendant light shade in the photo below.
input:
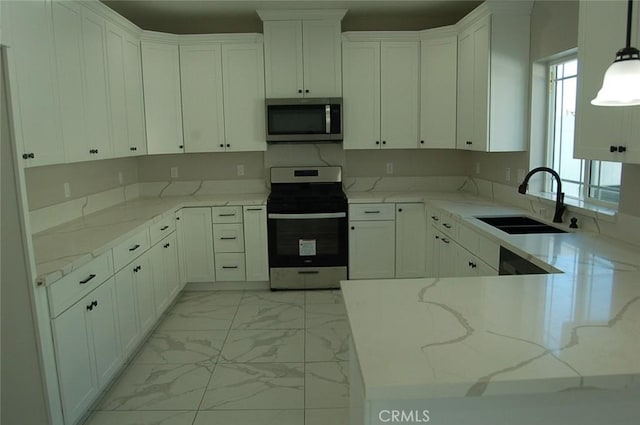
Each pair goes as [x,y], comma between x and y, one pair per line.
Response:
[621,83]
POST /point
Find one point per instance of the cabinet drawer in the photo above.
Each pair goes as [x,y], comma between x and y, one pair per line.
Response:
[227,214]
[448,226]
[366,212]
[228,238]
[130,249]
[479,245]
[162,228]
[230,267]
[63,293]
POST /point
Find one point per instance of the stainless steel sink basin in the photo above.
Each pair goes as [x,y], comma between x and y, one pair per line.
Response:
[519,225]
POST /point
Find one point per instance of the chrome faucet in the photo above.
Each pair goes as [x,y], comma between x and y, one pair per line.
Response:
[560,207]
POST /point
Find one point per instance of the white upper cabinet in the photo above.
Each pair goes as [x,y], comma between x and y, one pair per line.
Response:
[243,88]
[302,53]
[27,31]
[438,73]
[125,92]
[202,105]
[493,77]
[162,99]
[601,132]
[381,80]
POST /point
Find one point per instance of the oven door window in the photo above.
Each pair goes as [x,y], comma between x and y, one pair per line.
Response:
[307,242]
[298,119]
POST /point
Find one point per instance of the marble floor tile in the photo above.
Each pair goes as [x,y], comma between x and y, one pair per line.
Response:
[326,385]
[269,316]
[182,347]
[286,297]
[326,416]
[326,345]
[159,387]
[209,298]
[255,386]
[142,418]
[201,318]
[265,346]
[326,316]
[332,296]
[250,417]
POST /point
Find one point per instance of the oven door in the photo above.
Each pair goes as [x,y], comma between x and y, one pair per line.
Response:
[307,240]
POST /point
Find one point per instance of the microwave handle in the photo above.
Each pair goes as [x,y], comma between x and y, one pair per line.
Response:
[327,118]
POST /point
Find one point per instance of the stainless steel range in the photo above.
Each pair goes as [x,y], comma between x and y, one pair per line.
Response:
[307,224]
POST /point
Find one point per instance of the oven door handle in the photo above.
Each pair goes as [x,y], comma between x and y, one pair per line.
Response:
[307,216]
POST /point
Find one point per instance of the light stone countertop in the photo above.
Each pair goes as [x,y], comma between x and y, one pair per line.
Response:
[62,249]
[453,337]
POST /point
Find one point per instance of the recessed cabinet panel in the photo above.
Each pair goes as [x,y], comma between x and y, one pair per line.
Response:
[105,331]
[372,249]
[411,241]
[128,325]
[197,236]
[117,90]
[283,58]
[135,101]
[228,237]
[322,58]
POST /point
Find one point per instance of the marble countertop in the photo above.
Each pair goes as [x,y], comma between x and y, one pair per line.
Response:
[456,337]
[64,248]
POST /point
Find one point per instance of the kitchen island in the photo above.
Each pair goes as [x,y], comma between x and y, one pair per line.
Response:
[559,348]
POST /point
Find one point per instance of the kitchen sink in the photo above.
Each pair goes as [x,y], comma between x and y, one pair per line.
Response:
[519,225]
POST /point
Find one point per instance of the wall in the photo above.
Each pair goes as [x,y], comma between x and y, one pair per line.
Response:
[45,185]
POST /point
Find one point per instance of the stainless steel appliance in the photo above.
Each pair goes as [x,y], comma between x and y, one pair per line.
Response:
[307,228]
[304,120]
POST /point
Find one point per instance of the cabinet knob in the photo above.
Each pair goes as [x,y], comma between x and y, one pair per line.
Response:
[25,156]
[132,149]
[299,90]
[90,307]
[613,148]
[622,149]
[353,228]
[377,142]
[384,142]
[399,209]
[469,142]
[228,145]
[32,155]
[306,91]
[181,146]
[422,142]
[221,145]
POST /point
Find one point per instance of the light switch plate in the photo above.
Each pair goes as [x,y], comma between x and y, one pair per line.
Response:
[389,167]
[507,175]
[67,190]
[174,172]
[240,169]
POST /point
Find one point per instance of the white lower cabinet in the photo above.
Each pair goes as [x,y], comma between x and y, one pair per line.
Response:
[197,242]
[468,264]
[256,248]
[87,349]
[443,251]
[372,250]
[128,325]
[230,267]
[145,296]
[166,275]
[411,243]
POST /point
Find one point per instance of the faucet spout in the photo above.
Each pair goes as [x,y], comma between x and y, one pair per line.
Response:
[560,207]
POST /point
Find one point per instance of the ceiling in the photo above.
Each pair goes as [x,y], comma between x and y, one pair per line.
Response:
[217,16]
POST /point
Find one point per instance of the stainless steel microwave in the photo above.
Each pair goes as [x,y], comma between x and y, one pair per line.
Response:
[304,120]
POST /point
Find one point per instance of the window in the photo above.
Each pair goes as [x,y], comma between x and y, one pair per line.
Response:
[597,181]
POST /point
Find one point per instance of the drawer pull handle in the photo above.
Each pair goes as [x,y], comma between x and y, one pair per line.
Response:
[372,212]
[229,267]
[309,272]
[254,209]
[167,245]
[434,218]
[228,239]
[448,226]
[133,248]
[227,215]
[445,240]
[91,276]
[163,228]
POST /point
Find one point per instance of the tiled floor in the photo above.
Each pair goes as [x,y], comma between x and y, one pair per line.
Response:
[238,358]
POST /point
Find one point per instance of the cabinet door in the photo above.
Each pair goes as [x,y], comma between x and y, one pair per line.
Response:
[197,235]
[75,360]
[98,142]
[32,78]
[446,255]
[466,264]
[372,249]
[243,70]
[411,228]
[161,77]
[201,83]
[438,73]
[465,90]
[434,252]
[481,45]
[322,59]
[104,327]
[128,326]
[255,243]
[601,34]
[361,94]
[117,90]
[171,267]
[145,294]
[399,94]
[160,288]
[283,58]
[67,36]
[135,102]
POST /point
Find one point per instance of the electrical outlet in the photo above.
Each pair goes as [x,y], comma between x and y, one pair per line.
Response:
[174,172]
[67,190]
[507,174]
[521,175]
[120,177]
[477,168]
[240,170]
[389,167]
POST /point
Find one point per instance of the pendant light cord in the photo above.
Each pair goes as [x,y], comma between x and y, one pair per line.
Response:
[629,16]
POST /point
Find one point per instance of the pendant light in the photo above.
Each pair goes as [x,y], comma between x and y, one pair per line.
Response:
[621,83]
